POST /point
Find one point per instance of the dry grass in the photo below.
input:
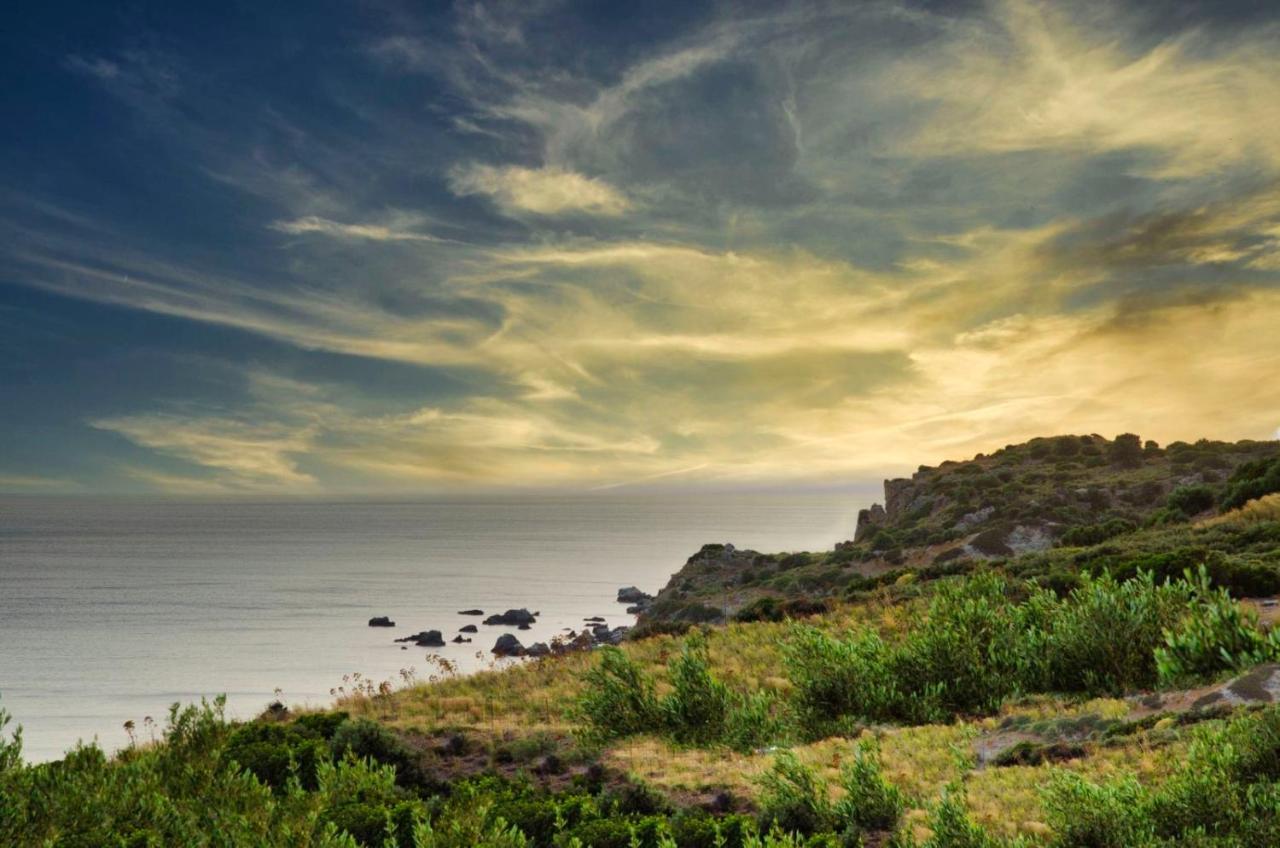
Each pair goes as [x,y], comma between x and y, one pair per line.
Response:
[535,696]
[532,698]
[1265,508]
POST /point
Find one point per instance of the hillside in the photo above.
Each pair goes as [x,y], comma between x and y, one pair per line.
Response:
[1050,505]
[1102,691]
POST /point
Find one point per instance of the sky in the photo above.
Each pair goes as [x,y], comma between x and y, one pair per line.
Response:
[255,249]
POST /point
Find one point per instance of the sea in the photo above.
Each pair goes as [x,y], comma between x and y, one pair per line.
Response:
[111,610]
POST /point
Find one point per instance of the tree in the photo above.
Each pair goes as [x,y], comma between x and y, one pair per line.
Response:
[1126,450]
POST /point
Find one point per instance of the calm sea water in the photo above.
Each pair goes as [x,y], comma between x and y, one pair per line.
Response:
[110,611]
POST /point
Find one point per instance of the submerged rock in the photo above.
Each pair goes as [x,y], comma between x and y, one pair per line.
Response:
[381,621]
[458,640]
[471,612]
[468,628]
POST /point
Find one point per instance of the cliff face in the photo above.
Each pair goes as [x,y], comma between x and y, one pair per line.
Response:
[1025,497]
[1019,501]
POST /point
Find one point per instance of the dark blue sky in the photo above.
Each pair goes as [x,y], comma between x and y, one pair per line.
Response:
[255,248]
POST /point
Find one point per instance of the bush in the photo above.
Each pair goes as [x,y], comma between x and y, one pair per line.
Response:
[768,608]
[1086,535]
[692,829]
[322,725]
[793,799]
[1126,451]
[1250,481]
[366,739]
[696,710]
[838,678]
[753,722]
[1191,500]
[952,827]
[372,824]
[1087,815]
[870,801]
[273,753]
[771,608]
[1102,638]
[618,699]
[1216,634]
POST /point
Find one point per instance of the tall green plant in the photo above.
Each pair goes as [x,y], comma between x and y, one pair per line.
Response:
[1215,634]
[618,699]
[697,709]
[870,802]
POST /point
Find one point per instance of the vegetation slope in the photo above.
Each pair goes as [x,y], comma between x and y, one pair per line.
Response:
[1082,673]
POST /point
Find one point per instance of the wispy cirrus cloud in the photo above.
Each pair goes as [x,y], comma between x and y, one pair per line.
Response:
[371,232]
[542,191]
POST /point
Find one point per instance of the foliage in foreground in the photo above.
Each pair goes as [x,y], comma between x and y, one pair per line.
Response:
[978,645]
[619,700]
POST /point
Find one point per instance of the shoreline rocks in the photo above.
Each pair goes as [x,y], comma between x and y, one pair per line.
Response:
[381,621]
[508,646]
[468,628]
[632,595]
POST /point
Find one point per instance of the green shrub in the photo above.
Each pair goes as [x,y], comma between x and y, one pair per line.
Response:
[1095,534]
[1102,639]
[952,827]
[372,824]
[367,739]
[1126,451]
[839,678]
[753,722]
[793,799]
[1088,815]
[870,802]
[321,724]
[768,608]
[698,706]
[1191,500]
[639,832]
[10,749]
[1250,481]
[618,699]
[1214,635]
[695,829]
[273,753]
[964,655]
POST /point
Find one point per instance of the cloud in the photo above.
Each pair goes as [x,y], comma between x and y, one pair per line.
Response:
[371,232]
[542,191]
[248,454]
[1037,75]
[37,483]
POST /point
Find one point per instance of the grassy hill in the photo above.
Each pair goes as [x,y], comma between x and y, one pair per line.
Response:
[1108,688]
[1050,507]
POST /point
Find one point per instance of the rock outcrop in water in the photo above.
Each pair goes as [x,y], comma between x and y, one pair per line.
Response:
[426,639]
[381,621]
[512,618]
[632,595]
[508,646]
